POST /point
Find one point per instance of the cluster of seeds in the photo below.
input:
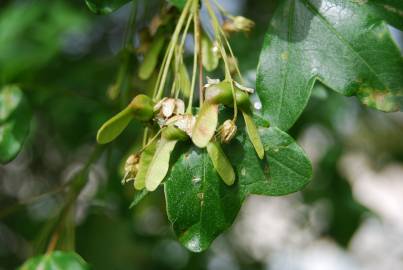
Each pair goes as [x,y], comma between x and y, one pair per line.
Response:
[166,117]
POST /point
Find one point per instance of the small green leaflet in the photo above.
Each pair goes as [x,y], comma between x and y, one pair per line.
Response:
[55,261]
[343,44]
[201,206]
[104,7]
[15,118]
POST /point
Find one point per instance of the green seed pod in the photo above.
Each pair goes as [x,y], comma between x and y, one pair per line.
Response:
[184,81]
[145,161]
[206,124]
[220,93]
[253,135]
[114,126]
[242,100]
[221,163]
[142,108]
[210,55]
[160,164]
[173,133]
[151,58]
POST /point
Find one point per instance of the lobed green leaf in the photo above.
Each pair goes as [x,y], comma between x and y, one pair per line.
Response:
[343,44]
[200,205]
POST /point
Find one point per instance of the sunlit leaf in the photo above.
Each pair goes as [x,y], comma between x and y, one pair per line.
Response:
[201,206]
[341,43]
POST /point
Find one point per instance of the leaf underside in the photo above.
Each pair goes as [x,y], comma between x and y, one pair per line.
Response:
[343,44]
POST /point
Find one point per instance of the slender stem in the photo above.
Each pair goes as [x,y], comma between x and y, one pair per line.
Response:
[222,10]
[130,29]
[228,77]
[145,136]
[195,55]
[232,54]
[76,183]
[52,242]
[182,43]
[170,50]
[124,71]
[199,51]
[151,141]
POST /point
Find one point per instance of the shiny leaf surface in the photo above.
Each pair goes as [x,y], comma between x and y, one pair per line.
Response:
[343,44]
[201,206]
